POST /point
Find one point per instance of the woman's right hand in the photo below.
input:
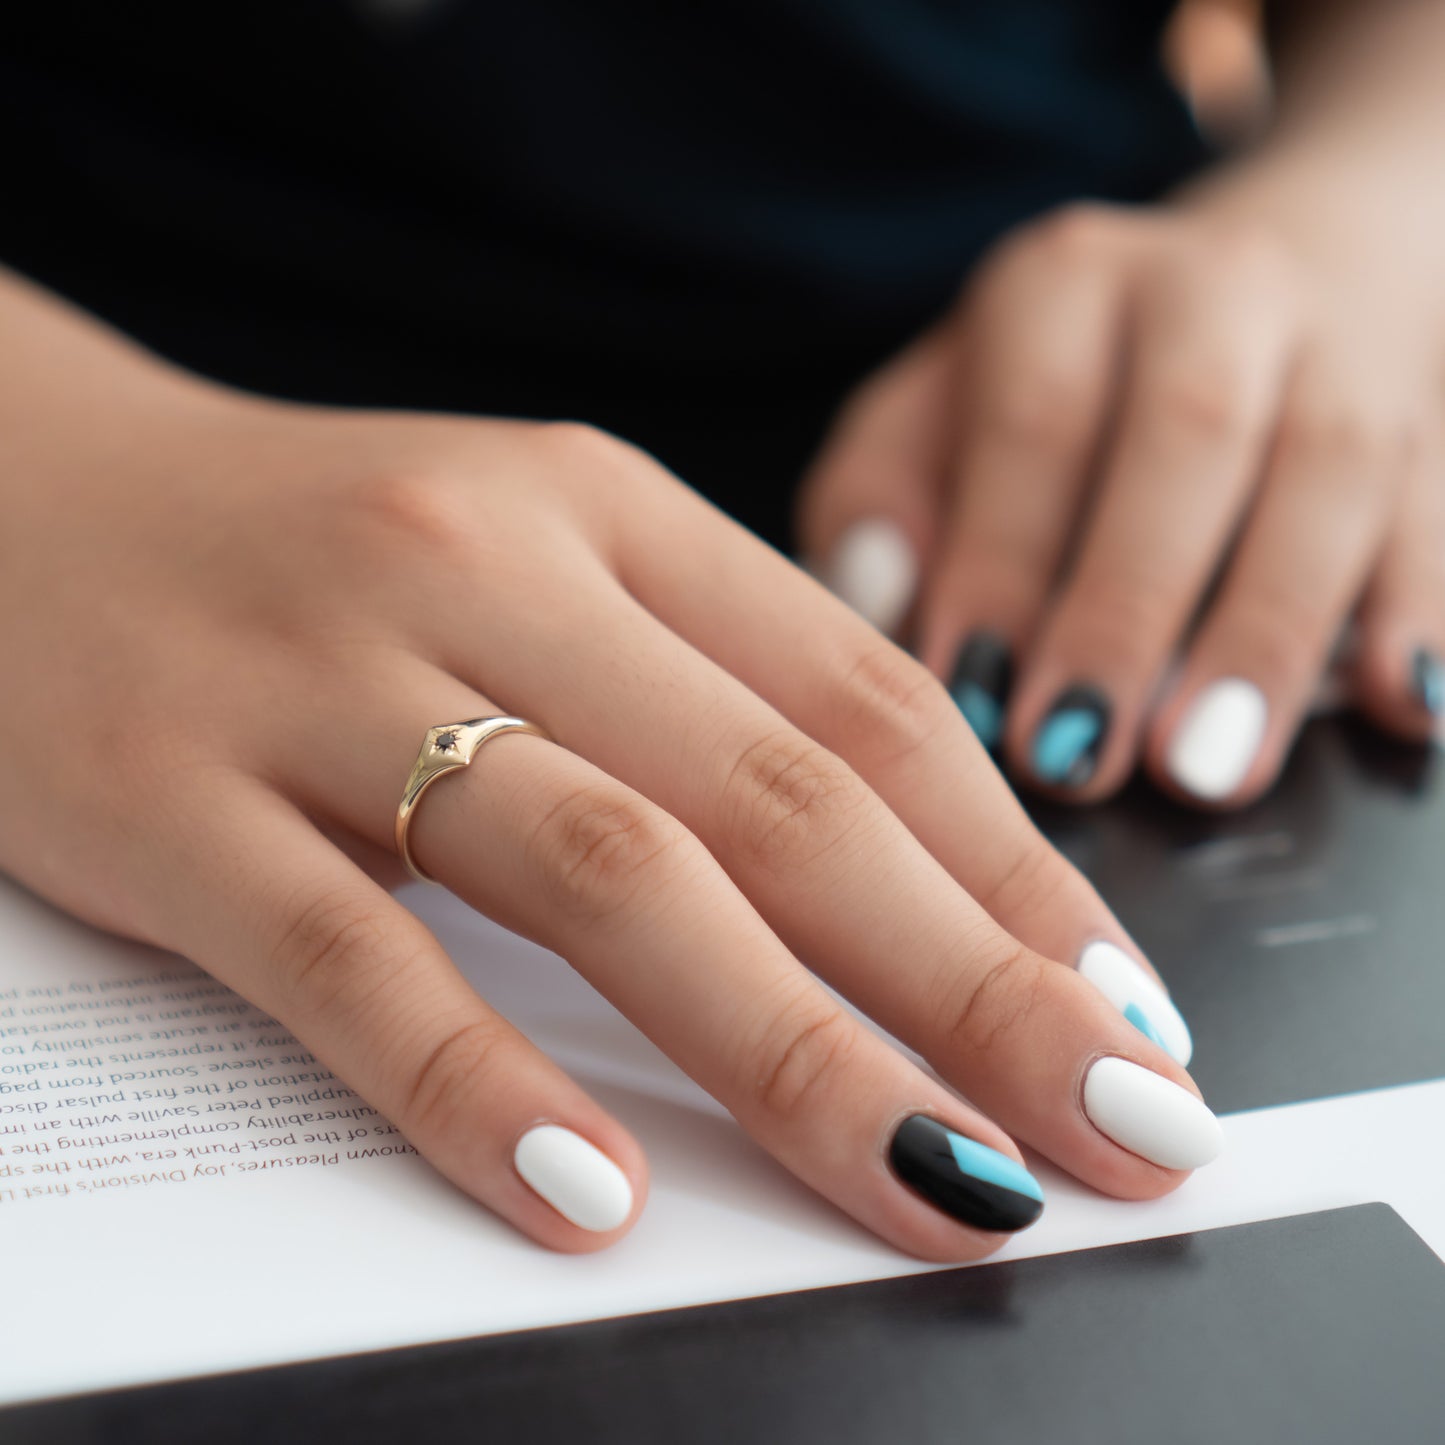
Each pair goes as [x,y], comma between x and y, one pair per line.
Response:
[227,624]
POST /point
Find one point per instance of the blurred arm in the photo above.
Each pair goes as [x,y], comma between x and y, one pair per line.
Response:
[1354,149]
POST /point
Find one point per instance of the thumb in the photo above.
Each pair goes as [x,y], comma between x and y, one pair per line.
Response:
[868,507]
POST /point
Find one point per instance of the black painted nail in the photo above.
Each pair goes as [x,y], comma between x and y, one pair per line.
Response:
[980,684]
[1427,679]
[1071,737]
[965,1179]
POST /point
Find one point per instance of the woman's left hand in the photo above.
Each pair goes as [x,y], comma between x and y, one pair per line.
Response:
[1130,492]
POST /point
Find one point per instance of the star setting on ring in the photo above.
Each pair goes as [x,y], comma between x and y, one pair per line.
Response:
[446,742]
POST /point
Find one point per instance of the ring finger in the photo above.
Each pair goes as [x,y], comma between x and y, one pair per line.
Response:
[552,847]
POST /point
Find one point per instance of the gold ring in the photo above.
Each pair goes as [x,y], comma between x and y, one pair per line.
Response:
[444,750]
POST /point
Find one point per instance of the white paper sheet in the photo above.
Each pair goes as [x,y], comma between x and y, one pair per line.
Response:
[286,1247]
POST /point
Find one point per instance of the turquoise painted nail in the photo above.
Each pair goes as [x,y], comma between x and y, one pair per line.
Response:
[965,1179]
[1069,740]
[981,1162]
[982,713]
[979,684]
[1427,678]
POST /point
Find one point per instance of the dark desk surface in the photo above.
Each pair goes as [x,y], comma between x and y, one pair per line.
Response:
[1304,939]
[1325,1329]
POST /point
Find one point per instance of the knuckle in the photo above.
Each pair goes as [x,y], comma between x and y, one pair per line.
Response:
[789,799]
[1209,400]
[449,1080]
[412,512]
[1080,239]
[601,847]
[1281,631]
[329,949]
[1333,430]
[1121,618]
[1000,993]
[1048,408]
[577,447]
[800,1049]
[890,704]
[599,474]
[1006,562]
[1027,880]
[1081,232]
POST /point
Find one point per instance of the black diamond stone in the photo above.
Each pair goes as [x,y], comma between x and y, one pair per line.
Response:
[445,742]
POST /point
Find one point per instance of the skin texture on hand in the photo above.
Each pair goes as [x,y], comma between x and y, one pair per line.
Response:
[1146,474]
[227,624]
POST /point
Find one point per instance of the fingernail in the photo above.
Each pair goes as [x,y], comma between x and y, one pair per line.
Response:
[965,1179]
[1071,737]
[1138,997]
[1145,1113]
[874,571]
[980,684]
[576,1178]
[1215,745]
[1427,679]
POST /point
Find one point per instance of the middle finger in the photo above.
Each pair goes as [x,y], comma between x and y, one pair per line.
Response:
[1204,374]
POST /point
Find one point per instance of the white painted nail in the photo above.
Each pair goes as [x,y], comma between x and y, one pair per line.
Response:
[1145,1113]
[1215,744]
[1134,992]
[576,1178]
[874,570]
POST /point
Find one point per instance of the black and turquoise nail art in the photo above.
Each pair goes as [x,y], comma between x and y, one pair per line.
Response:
[1427,680]
[1070,738]
[980,684]
[965,1179]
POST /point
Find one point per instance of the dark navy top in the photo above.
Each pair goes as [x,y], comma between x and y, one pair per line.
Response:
[695,224]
